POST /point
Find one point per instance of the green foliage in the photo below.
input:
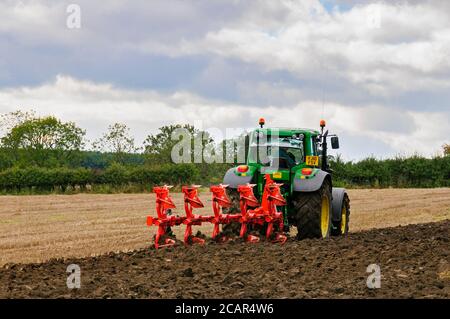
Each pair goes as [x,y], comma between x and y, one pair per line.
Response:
[12,119]
[414,171]
[446,148]
[158,148]
[116,177]
[398,172]
[117,141]
[99,160]
[42,142]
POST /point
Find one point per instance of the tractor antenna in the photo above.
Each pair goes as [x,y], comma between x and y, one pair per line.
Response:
[323,103]
[322,89]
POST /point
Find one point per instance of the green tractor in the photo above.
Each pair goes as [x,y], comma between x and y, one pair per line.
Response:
[298,159]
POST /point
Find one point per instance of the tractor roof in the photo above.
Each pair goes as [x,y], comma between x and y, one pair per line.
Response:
[289,131]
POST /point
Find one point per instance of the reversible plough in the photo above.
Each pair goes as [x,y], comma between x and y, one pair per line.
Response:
[253,214]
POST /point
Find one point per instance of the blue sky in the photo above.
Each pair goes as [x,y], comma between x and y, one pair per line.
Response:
[379,72]
[330,5]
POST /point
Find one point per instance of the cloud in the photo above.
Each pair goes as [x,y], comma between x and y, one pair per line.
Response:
[96,105]
[384,49]
[408,51]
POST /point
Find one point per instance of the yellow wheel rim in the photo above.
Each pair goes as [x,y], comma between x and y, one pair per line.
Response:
[325,216]
[344,220]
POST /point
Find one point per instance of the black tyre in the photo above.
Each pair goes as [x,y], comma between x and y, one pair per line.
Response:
[313,213]
[341,228]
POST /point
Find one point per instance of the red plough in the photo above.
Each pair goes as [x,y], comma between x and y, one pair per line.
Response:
[252,214]
[266,214]
[220,200]
[191,201]
[164,221]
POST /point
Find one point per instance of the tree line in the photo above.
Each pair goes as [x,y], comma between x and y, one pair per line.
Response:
[46,154]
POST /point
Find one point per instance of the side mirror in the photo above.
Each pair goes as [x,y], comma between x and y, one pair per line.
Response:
[335,142]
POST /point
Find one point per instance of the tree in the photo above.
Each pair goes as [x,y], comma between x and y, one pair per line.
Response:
[446,148]
[159,147]
[43,141]
[118,141]
[12,119]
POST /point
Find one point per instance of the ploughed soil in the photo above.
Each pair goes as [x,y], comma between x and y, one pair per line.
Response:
[414,262]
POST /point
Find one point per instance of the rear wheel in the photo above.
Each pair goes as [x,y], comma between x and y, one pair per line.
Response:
[340,228]
[313,212]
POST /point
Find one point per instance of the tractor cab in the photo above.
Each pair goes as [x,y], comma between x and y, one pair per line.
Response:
[279,152]
[282,152]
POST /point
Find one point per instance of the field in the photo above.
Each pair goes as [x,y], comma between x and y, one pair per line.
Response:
[414,262]
[415,259]
[37,228]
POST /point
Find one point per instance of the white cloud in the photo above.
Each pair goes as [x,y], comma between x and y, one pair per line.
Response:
[94,106]
[32,23]
[410,51]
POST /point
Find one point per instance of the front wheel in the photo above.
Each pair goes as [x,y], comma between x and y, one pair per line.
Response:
[313,213]
[341,228]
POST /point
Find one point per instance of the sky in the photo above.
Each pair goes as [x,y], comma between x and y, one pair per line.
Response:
[377,72]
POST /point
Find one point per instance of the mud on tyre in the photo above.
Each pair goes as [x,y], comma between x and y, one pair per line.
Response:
[313,212]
